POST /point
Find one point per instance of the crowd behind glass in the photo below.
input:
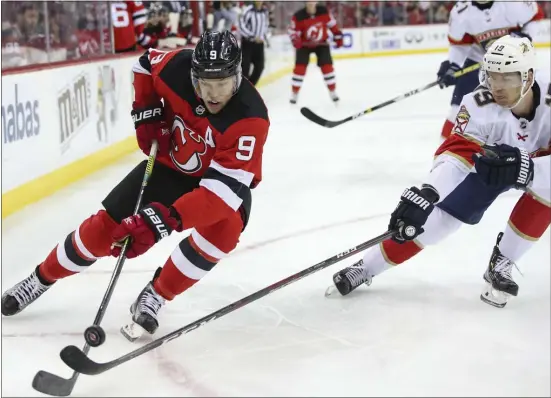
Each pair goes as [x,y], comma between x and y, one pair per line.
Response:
[35,32]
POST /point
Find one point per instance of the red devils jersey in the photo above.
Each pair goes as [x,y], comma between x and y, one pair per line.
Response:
[225,149]
[129,19]
[313,30]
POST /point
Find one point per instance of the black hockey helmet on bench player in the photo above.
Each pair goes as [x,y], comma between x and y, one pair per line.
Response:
[216,56]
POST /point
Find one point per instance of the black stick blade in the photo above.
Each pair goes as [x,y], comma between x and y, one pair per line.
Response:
[50,384]
[79,361]
[308,114]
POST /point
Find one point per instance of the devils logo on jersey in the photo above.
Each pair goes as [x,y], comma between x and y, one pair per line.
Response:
[187,147]
[314,33]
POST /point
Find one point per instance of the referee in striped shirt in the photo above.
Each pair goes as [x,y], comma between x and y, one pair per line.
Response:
[253,28]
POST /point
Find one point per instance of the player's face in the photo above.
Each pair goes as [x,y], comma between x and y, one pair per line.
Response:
[311,6]
[505,87]
[216,92]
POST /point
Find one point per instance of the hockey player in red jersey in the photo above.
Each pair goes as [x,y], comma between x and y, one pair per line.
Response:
[211,132]
[483,158]
[129,18]
[309,32]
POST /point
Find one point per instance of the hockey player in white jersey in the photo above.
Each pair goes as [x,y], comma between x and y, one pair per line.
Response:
[500,141]
[473,27]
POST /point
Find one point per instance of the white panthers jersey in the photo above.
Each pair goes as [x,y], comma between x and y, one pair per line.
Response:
[472,30]
[480,119]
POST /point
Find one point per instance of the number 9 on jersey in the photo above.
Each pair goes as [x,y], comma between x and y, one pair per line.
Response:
[245,147]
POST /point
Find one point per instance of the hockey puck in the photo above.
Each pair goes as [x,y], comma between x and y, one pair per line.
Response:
[94,336]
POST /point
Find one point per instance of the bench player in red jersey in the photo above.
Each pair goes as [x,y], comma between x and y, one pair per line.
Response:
[309,32]
[129,18]
[211,132]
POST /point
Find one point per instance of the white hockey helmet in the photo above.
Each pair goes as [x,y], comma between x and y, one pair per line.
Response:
[510,54]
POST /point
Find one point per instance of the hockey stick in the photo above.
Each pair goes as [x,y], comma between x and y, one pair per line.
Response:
[77,359]
[308,114]
[48,383]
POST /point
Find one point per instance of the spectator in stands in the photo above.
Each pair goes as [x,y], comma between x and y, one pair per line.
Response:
[185,25]
[13,54]
[157,24]
[441,15]
[389,14]
[175,6]
[87,39]
[414,15]
[370,18]
[30,26]
[54,30]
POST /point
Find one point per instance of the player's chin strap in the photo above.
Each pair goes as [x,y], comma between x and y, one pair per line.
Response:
[522,93]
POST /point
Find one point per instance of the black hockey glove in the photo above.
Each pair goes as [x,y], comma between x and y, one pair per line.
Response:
[412,212]
[446,72]
[504,166]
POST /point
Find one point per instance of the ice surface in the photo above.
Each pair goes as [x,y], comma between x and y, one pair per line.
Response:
[419,330]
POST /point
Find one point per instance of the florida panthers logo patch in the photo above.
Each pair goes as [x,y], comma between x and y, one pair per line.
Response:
[187,147]
[461,120]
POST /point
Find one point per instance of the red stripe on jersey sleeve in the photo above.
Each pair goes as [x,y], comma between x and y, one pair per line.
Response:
[539,15]
[459,147]
[466,39]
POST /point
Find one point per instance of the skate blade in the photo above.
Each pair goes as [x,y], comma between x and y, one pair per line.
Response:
[332,291]
[132,331]
[494,297]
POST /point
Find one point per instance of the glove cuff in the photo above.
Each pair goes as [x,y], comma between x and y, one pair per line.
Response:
[154,113]
[526,169]
[176,216]
[159,219]
[430,193]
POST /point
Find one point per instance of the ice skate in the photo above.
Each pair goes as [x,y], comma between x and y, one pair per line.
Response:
[144,312]
[294,98]
[499,282]
[348,279]
[334,97]
[24,293]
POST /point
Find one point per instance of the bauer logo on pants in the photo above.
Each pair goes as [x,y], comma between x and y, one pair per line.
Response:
[461,120]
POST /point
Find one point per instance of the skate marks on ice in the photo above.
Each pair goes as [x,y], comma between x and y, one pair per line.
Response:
[39,316]
[53,333]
